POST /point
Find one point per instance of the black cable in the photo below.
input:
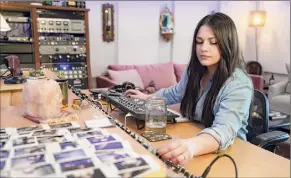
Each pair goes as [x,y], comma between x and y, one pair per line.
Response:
[207,170]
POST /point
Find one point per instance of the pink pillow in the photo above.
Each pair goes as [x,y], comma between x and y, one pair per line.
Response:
[179,70]
[161,74]
[118,67]
[126,76]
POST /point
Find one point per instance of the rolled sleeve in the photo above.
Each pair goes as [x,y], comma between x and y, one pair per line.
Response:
[232,111]
[174,94]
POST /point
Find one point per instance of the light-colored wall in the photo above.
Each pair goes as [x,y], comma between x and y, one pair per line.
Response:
[137,39]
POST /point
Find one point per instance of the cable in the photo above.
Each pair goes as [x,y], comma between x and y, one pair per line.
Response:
[207,170]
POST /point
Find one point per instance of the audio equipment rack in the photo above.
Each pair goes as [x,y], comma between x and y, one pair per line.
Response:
[60,40]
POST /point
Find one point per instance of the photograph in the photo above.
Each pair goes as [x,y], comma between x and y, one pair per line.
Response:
[44,133]
[76,164]
[95,133]
[96,173]
[108,146]
[81,129]
[29,128]
[106,138]
[3,130]
[50,139]
[34,171]
[2,164]
[26,161]
[4,136]
[23,141]
[112,157]
[69,154]
[2,143]
[58,126]
[130,163]
[4,154]
[68,145]
[29,150]
[133,173]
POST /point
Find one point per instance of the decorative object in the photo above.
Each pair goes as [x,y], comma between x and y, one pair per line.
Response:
[108,22]
[42,99]
[167,24]
[257,19]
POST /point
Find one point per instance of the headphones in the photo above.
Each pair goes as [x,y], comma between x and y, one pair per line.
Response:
[122,88]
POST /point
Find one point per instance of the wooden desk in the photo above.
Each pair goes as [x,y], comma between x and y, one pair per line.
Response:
[10,95]
[11,116]
[251,160]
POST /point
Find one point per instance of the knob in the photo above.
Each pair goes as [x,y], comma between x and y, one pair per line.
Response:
[57,49]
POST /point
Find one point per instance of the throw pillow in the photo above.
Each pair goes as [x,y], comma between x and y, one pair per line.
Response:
[126,76]
[288,88]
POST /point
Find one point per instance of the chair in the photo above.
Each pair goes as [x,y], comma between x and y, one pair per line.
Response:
[254,67]
[258,124]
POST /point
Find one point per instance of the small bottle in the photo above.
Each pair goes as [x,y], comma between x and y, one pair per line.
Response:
[272,80]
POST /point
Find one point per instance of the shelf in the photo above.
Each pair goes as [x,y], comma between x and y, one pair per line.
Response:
[23,6]
[18,42]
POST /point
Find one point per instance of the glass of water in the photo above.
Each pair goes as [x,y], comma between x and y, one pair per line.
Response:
[156,116]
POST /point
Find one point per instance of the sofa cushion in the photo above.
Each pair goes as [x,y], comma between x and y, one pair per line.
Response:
[126,76]
[161,74]
[118,67]
[281,103]
[179,70]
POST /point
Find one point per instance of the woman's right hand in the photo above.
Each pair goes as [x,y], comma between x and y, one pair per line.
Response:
[136,94]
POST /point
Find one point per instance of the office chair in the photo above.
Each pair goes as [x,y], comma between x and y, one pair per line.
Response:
[258,124]
[254,67]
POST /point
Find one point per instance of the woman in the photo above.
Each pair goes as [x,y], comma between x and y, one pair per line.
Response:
[215,90]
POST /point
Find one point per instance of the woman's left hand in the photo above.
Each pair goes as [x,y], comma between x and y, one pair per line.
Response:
[177,151]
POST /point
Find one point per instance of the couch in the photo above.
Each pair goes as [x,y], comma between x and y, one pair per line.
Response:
[153,76]
[158,76]
[279,97]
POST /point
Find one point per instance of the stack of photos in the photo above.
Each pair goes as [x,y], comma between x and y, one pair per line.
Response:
[69,151]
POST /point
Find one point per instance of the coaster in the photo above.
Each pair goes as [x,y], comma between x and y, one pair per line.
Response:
[156,137]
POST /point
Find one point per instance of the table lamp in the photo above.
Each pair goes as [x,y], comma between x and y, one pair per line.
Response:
[4,27]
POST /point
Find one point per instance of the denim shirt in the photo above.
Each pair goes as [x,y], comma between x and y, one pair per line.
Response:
[231,108]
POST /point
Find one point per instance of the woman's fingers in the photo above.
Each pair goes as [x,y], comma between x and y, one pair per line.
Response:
[175,152]
[168,148]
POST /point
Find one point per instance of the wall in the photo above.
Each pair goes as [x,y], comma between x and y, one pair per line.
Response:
[273,38]
[137,38]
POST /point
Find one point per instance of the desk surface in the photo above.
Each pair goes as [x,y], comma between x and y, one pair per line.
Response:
[251,160]
[9,88]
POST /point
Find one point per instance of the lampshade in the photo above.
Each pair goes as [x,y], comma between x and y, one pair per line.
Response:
[3,24]
[257,18]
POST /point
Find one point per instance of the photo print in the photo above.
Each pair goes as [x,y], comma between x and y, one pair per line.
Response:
[26,161]
[68,145]
[29,150]
[76,164]
[4,154]
[21,141]
[34,171]
[51,139]
[69,154]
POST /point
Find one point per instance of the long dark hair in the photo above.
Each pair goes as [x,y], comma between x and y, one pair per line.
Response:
[231,58]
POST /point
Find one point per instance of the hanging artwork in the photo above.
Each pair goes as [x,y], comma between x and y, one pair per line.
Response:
[108,22]
[166,24]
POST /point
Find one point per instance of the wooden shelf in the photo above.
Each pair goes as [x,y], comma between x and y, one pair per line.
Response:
[23,6]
